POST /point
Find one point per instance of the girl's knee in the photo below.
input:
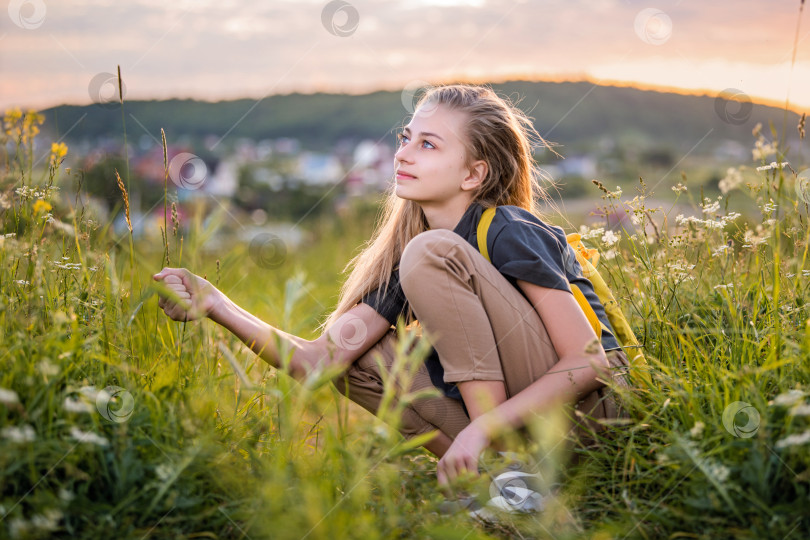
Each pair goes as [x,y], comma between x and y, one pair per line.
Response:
[421,251]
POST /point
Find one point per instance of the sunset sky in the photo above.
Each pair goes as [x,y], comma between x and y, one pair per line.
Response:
[53,52]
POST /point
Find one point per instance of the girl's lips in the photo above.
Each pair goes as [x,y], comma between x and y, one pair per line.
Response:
[404,176]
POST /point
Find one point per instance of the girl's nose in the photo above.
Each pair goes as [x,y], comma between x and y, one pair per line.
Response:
[402,154]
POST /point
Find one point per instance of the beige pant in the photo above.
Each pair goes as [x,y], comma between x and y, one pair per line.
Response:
[482,328]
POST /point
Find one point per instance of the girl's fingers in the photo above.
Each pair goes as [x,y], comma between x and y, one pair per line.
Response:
[442,477]
[182,293]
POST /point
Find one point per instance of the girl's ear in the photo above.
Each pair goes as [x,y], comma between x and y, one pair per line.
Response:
[477,173]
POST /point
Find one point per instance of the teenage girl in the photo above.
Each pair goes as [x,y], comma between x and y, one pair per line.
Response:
[509,339]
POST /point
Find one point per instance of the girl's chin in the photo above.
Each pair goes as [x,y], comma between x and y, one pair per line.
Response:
[402,192]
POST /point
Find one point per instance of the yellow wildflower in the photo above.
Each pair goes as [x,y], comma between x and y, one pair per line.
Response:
[10,120]
[31,123]
[58,153]
[41,205]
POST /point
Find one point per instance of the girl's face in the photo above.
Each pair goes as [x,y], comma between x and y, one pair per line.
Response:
[430,163]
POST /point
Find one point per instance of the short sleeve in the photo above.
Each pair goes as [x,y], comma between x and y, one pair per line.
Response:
[530,252]
[390,303]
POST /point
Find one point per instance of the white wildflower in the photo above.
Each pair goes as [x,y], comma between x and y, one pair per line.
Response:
[773,165]
[68,266]
[679,188]
[610,238]
[724,286]
[801,410]
[794,440]
[680,266]
[710,207]
[21,282]
[718,471]
[90,392]
[762,149]
[721,250]
[697,430]
[88,437]
[46,367]
[164,471]
[20,434]
[591,233]
[45,522]
[77,406]
[786,399]
[769,207]
[732,180]
[610,254]
[8,397]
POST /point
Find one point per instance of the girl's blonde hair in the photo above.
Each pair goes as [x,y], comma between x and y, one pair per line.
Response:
[496,132]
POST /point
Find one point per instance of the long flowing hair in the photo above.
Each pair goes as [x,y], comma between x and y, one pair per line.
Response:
[497,132]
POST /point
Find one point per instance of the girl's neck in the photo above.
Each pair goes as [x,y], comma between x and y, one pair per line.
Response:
[447,215]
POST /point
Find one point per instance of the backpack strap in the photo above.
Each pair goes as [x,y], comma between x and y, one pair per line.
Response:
[590,314]
[483,227]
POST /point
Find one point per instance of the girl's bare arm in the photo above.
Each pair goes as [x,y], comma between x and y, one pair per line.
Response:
[340,345]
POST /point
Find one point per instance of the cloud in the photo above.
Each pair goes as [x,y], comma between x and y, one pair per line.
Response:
[236,48]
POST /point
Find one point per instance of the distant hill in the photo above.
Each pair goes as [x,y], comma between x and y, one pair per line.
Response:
[576,115]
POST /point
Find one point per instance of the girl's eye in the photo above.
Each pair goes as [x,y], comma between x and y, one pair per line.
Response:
[403,139]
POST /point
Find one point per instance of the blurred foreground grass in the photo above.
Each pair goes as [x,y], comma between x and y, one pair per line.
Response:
[116,421]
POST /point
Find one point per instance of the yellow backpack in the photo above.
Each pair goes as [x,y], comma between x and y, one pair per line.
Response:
[588,258]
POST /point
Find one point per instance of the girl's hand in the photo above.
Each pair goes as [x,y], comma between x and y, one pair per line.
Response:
[193,297]
[462,456]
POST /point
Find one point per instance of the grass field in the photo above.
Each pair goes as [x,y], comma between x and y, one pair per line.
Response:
[117,422]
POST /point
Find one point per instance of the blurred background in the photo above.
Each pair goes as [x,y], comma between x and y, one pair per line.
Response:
[281,111]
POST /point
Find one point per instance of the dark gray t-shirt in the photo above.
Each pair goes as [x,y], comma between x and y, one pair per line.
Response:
[521,246]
